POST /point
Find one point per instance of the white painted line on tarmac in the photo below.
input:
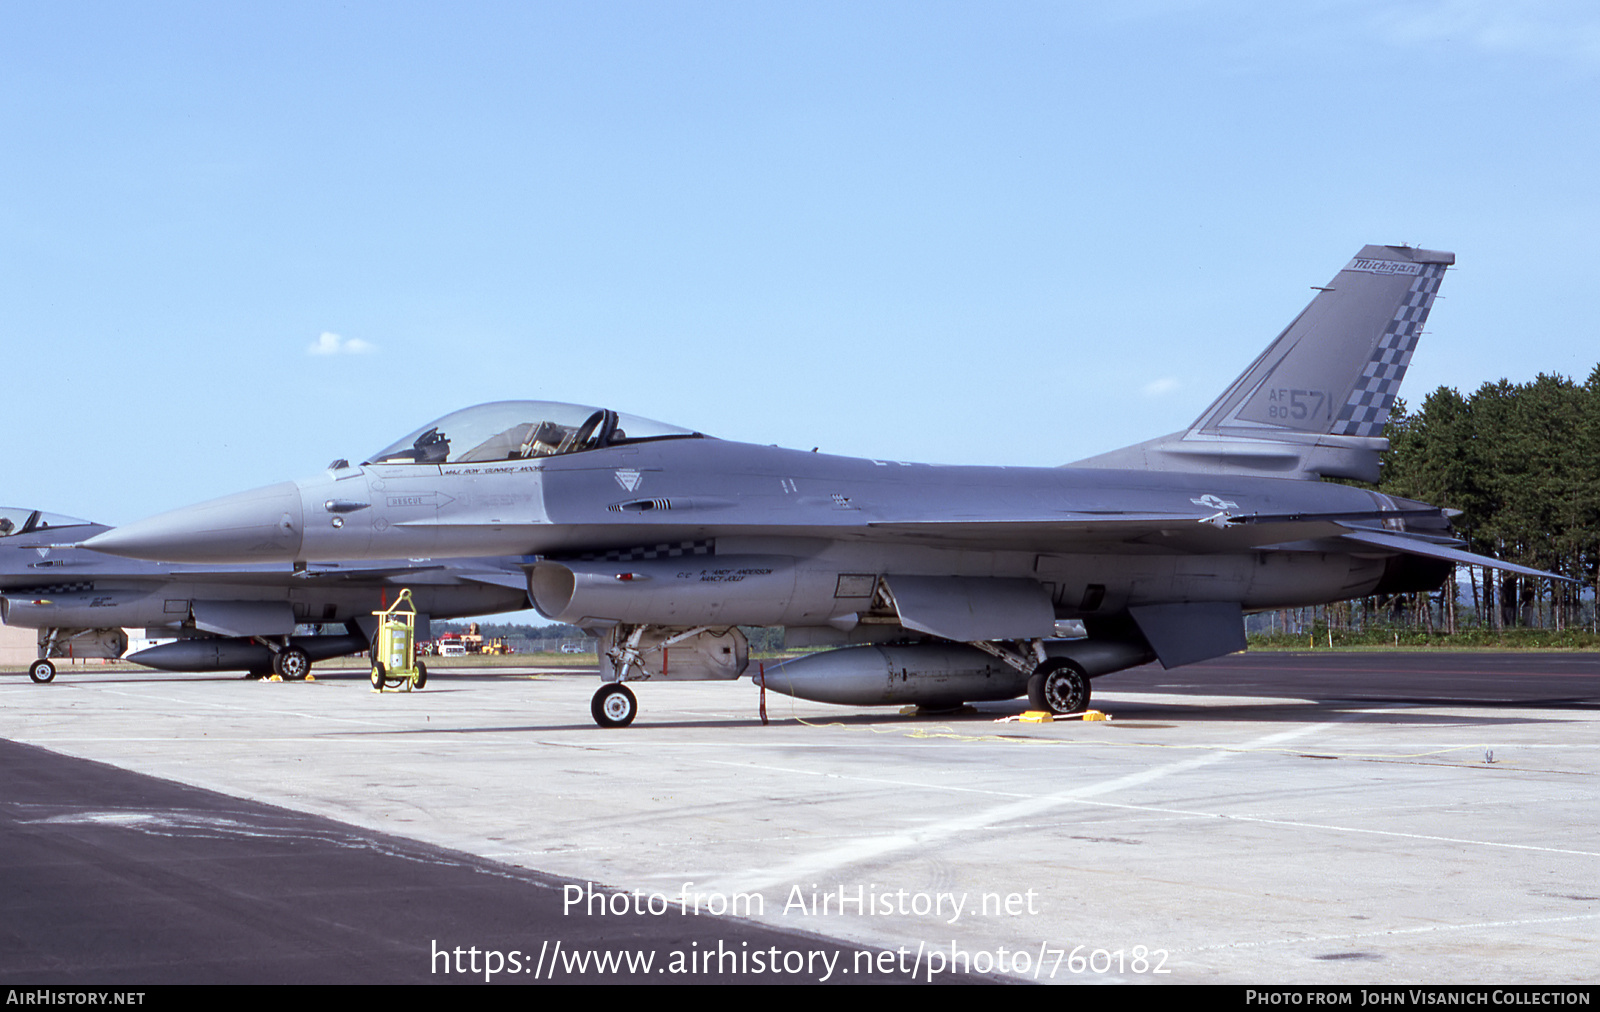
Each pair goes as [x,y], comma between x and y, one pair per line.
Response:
[1394,932]
[818,865]
[1329,827]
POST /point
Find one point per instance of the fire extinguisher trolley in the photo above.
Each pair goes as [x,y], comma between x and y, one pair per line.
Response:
[394,654]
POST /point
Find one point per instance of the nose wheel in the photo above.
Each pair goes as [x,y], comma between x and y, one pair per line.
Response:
[42,671]
[614,705]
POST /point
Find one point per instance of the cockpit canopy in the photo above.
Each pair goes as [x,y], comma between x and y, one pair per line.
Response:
[22,521]
[519,430]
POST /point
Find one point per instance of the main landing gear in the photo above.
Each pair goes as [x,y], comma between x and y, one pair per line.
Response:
[1059,686]
[1056,684]
[291,664]
[42,671]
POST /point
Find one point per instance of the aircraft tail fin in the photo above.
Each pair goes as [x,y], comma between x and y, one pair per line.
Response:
[1315,402]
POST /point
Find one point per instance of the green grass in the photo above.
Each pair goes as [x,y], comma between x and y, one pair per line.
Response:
[1416,639]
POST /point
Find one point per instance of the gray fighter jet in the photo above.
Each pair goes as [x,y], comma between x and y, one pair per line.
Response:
[935,584]
[221,618]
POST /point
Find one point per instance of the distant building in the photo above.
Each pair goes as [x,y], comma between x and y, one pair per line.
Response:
[18,645]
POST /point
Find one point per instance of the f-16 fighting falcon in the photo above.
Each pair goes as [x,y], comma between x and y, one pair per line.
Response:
[935,585]
[221,618]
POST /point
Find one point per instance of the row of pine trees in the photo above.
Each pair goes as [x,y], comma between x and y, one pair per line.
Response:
[1522,464]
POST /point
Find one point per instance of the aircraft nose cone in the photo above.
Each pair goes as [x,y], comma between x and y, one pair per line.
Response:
[262,525]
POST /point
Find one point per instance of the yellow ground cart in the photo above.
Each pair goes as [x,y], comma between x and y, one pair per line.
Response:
[394,653]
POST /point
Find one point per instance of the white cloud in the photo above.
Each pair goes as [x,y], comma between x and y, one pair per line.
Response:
[1161,387]
[1540,28]
[333,344]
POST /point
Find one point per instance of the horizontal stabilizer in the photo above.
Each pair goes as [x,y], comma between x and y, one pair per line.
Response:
[1412,546]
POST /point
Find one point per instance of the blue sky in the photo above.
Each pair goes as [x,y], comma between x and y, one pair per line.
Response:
[240,240]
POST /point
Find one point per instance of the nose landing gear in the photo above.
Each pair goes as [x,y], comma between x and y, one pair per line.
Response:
[614,705]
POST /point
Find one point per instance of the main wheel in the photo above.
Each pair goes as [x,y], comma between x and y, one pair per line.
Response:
[292,664]
[42,671]
[1059,686]
[422,674]
[377,675]
[614,705]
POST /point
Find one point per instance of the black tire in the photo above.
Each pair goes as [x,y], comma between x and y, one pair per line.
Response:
[614,705]
[1060,687]
[42,671]
[291,664]
[377,675]
[422,675]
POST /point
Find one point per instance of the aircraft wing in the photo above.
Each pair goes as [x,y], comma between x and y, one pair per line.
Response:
[1101,531]
[1134,533]
[1114,532]
[1185,534]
